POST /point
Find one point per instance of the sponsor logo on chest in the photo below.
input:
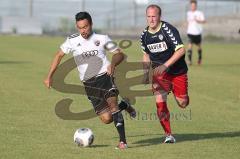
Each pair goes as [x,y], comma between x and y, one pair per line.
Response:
[157,47]
[90,53]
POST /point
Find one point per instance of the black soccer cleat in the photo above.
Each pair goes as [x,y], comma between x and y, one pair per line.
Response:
[129,109]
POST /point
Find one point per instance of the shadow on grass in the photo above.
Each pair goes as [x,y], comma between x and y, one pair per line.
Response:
[97,146]
[215,65]
[14,62]
[91,147]
[185,137]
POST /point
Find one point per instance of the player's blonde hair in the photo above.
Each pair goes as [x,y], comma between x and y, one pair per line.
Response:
[155,6]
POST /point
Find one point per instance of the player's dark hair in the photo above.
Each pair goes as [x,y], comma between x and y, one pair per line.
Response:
[154,6]
[193,1]
[83,15]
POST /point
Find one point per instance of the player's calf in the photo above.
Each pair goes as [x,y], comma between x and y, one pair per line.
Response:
[119,124]
[189,54]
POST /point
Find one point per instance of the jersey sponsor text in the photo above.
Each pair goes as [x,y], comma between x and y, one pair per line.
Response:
[157,47]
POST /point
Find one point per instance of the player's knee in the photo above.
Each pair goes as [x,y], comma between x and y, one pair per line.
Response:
[107,121]
[161,97]
[106,118]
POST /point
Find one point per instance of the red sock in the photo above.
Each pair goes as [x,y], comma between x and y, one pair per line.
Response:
[164,116]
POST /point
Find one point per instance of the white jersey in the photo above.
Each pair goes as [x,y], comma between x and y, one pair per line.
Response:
[89,54]
[194,28]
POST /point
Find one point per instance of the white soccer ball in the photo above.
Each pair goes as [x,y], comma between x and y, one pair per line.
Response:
[83,137]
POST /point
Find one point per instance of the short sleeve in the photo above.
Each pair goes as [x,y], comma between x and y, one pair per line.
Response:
[66,46]
[110,45]
[201,16]
[173,36]
[143,42]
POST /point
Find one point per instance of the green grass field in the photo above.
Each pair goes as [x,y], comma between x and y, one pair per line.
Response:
[30,128]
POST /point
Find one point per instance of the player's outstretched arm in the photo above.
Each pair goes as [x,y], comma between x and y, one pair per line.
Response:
[201,21]
[146,67]
[117,58]
[54,64]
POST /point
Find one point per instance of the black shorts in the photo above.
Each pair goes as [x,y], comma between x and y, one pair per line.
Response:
[98,89]
[195,39]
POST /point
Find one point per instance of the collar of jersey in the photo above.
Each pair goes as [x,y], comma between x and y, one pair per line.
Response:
[88,37]
[159,27]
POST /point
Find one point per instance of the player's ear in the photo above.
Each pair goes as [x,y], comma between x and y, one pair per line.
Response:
[91,24]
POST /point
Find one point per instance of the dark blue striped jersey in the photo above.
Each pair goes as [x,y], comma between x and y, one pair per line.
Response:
[160,46]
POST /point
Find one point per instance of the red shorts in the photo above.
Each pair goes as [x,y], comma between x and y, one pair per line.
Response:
[178,84]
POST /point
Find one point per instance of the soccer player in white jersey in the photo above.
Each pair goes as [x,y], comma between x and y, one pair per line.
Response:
[96,72]
[195,19]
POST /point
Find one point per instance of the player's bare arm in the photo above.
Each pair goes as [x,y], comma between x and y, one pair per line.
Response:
[57,59]
[201,21]
[146,68]
[176,56]
[117,58]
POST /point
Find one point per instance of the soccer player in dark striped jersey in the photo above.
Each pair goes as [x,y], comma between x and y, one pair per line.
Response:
[164,52]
